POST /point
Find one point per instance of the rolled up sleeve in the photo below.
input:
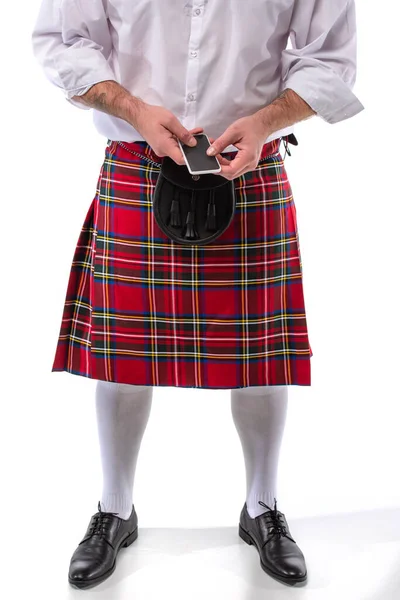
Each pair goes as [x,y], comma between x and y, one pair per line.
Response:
[72,44]
[322,63]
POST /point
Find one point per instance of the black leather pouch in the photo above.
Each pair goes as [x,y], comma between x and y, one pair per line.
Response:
[192,209]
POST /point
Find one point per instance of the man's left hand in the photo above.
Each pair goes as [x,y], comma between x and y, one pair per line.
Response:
[248,134]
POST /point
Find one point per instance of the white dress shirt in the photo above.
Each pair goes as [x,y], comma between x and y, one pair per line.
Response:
[210,62]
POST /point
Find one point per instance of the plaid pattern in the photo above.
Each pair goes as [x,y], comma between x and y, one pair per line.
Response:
[142,309]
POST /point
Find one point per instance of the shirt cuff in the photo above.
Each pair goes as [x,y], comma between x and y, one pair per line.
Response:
[80,91]
[328,95]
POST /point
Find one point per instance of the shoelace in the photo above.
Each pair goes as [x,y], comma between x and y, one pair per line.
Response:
[274,518]
[100,522]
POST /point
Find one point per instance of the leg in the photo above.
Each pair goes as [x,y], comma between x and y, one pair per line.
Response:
[259,414]
[122,414]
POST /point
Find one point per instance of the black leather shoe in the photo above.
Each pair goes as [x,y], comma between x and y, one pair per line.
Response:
[280,556]
[95,557]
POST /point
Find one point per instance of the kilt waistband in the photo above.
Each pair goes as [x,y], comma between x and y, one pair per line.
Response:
[140,147]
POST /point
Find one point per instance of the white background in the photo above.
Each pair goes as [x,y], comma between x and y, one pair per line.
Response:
[339,471]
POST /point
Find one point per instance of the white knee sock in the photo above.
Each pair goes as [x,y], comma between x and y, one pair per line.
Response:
[259,415]
[122,412]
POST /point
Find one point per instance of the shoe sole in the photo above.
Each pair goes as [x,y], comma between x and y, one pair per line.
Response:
[95,581]
[246,537]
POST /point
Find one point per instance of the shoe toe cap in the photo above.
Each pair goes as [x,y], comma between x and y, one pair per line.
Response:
[293,568]
[82,570]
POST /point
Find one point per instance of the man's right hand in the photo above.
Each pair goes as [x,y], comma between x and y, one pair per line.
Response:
[157,125]
[161,129]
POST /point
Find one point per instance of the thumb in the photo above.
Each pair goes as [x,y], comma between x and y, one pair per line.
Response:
[183,134]
[225,140]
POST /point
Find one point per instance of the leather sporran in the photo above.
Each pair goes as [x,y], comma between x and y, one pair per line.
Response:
[192,209]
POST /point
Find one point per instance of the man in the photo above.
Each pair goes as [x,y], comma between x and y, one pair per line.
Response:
[144,311]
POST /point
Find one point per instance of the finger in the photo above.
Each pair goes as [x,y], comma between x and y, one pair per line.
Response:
[226,139]
[242,172]
[236,175]
[239,164]
[229,175]
[173,150]
[176,127]
[222,160]
[196,130]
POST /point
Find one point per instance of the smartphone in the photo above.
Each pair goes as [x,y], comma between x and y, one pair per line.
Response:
[197,161]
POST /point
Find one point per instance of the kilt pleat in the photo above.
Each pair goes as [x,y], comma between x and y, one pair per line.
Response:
[142,309]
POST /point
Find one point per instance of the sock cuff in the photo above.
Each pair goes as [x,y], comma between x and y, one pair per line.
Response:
[119,503]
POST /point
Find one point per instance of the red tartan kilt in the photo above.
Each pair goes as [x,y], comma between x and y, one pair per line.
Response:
[143,309]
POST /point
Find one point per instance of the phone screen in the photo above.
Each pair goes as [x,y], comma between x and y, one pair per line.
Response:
[196,156]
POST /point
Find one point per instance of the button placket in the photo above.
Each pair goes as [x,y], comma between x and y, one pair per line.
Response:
[193,66]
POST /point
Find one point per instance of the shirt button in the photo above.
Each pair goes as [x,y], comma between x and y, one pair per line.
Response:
[197,11]
[193,53]
[191,97]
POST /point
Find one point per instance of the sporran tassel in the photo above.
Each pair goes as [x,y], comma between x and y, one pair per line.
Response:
[191,233]
[175,216]
[211,222]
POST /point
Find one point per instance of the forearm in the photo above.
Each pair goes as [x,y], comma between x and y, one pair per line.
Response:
[288,108]
[112,98]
